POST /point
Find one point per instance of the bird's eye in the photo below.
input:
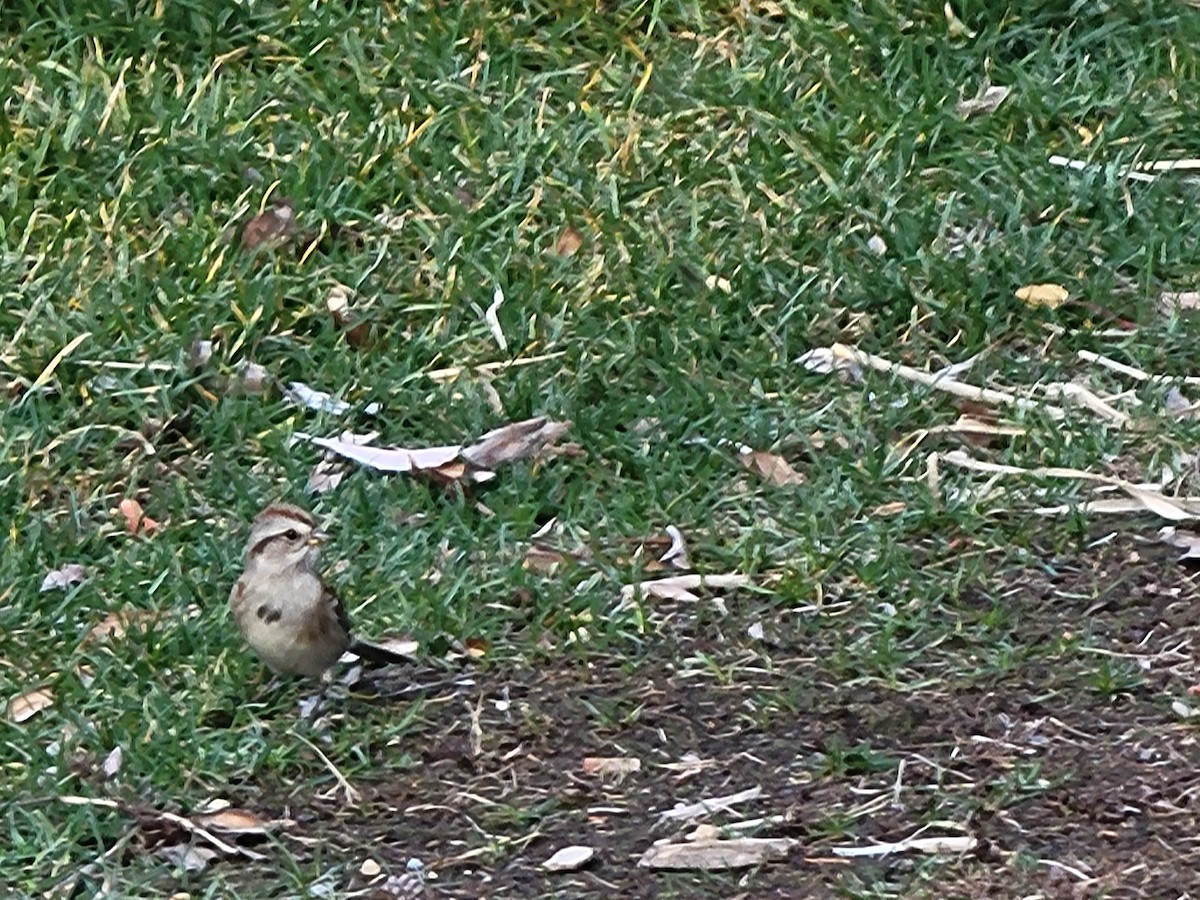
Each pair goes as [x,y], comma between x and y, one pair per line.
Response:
[292,534]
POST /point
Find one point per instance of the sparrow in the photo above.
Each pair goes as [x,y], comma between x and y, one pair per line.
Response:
[286,612]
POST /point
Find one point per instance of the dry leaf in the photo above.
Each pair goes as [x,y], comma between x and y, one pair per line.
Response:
[389,459]
[954,844]
[1051,296]
[680,587]
[452,464]
[454,472]
[688,811]
[358,334]
[325,476]
[718,283]
[676,555]
[1174,301]
[115,624]
[611,768]
[71,573]
[188,857]
[771,468]
[738,853]
[231,820]
[337,301]
[1158,504]
[983,104]
[199,354]
[253,378]
[273,227]
[888,509]
[1187,541]
[569,242]
[25,706]
[136,521]
[954,25]
[86,675]
[543,560]
[301,394]
[111,766]
[477,648]
[514,442]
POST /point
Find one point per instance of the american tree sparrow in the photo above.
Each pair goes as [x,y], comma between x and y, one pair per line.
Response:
[287,613]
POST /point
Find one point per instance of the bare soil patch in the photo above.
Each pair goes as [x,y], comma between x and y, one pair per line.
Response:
[1069,765]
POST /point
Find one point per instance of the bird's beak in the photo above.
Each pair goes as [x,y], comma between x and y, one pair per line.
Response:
[317,538]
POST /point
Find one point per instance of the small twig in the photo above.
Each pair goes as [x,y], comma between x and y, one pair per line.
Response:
[1083,397]
[941,383]
[476,712]
[1135,373]
[1071,870]
[493,320]
[710,805]
[1171,508]
[351,795]
[449,374]
[1080,166]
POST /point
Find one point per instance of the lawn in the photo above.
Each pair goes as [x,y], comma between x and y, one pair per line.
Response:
[637,218]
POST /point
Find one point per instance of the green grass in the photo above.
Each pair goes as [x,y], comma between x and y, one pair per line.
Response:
[726,167]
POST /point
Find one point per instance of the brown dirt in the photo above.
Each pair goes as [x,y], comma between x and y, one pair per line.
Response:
[1067,764]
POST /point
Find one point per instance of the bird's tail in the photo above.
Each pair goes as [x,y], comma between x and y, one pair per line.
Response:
[375,655]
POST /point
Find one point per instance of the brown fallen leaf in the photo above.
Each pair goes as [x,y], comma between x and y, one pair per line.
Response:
[450,473]
[517,441]
[114,625]
[358,333]
[771,468]
[569,242]
[136,521]
[531,438]
[271,228]
[231,820]
[25,706]
[543,560]
[163,829]
[611,768]
[1050,296]
[737,853]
